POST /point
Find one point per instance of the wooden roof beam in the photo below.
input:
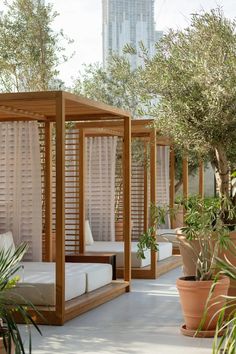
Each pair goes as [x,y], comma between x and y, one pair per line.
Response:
[21,113]
[102,132]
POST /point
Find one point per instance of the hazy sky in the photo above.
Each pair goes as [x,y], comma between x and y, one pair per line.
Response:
[81,20]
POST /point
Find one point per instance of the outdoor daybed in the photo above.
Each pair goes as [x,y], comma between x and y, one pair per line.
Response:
[37,280]
[165,251]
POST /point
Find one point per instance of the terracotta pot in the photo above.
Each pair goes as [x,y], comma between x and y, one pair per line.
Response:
[232,259]
[178,220]
[193,298]
[2,348]
[188,256]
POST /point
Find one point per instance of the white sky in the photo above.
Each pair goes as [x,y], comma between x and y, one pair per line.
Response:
[81,20]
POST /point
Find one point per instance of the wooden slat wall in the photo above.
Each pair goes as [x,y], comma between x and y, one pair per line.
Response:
[137,190]
[72,179]
[71,190]
[42,153]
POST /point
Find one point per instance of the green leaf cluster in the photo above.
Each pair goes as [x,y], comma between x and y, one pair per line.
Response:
[30,50]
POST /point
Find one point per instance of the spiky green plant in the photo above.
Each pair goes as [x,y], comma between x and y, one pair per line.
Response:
[226,344]
[11,302]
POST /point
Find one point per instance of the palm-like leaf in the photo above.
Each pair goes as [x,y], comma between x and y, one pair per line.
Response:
[10,302]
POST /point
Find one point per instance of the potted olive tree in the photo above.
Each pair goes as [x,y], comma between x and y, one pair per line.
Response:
[10,337]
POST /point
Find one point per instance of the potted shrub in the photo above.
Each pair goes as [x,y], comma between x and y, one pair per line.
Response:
[10,337]
[194,289]
[218,223]
[206,237]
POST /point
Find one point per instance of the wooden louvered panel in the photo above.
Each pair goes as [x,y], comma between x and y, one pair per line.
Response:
[72,190]
[42,154]
[138,193]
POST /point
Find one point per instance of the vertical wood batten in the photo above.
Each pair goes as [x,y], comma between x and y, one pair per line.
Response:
[48,192]
[201,179]
[82,172]
[172,182]
[145,199]
[153,196]
[60,207]
[185,179]
[127,198]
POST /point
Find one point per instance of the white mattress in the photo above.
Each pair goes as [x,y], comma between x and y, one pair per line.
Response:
[165,250]
[167,235]
[37,280]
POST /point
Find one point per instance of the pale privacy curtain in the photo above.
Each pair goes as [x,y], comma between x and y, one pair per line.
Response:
[100,201]
[20,185]
[163,192]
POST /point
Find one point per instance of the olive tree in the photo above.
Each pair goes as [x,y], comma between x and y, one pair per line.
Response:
[30,50]
[194,72]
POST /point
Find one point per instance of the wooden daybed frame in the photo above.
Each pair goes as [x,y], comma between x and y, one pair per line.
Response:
[59,107]
[141,128]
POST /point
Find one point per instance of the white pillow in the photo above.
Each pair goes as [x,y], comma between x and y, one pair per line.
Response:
[6,242]
[88,234]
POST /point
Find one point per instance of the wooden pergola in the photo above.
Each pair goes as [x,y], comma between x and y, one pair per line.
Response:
[142,129]
[55,108]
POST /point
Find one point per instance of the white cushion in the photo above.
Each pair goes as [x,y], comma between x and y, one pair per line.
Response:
[97,275]
[37,282]
[165,250]
[88,234]
[6,242]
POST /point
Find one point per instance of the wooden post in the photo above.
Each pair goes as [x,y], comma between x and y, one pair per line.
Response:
[185,179]
[127,198]
[153,197]
[82,171]
[201,179]
[48,191]
[145,191]
[60,207]
[172,183]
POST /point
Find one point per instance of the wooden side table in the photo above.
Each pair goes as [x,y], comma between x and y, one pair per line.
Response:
[94,257]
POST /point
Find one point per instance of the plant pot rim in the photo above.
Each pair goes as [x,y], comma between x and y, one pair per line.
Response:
[190,280]
[199,334]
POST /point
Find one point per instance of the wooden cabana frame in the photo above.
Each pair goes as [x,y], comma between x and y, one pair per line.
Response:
[144,129]
[59,107]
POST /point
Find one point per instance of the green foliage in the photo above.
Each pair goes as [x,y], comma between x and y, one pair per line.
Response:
[227,343]
[148,239]
[205,223]
[194,72]
[116,84]
[9,265]
[29,49]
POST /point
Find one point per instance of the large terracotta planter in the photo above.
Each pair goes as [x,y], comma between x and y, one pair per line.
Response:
[2,348]
[193,298]
[189,258]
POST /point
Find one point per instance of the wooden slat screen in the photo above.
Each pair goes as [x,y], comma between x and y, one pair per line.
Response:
[137,184]
[42,153]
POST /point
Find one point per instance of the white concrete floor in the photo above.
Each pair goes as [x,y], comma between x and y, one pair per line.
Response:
[145,321]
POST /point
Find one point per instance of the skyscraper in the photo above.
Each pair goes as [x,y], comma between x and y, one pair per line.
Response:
[128,21]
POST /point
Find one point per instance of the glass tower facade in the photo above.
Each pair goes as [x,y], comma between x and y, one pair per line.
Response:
[128,21]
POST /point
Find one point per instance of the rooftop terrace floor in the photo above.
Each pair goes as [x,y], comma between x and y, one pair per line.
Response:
[145,321]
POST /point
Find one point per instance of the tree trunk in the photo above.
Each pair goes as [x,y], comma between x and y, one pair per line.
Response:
[222,171]
[179,183]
